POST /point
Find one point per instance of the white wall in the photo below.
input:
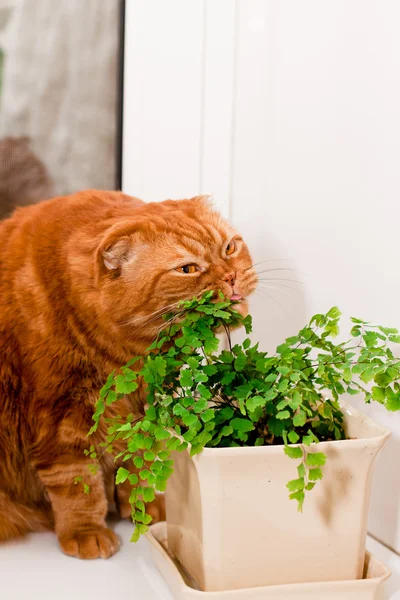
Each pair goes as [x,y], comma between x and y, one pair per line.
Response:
[289,112]
[178,99]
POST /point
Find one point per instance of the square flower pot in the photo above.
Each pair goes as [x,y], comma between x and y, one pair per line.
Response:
[231,524]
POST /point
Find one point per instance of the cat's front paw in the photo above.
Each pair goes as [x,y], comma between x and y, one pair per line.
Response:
[99,543]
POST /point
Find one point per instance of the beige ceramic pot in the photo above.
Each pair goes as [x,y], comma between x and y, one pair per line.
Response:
[231,525]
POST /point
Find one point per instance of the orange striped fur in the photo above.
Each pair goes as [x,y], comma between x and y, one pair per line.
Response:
[84,280]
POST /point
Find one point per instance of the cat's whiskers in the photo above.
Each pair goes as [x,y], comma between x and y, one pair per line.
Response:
[270,297]
[271,260]
[267,260]
[251,281]
[272,287]
[169,308]
[278,285]
[158,314]
[161,315]
[169,322]
[273,270]
[281,279]
[174,317]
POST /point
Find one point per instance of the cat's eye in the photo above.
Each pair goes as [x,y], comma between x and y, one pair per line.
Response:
[231,247]
[187,269]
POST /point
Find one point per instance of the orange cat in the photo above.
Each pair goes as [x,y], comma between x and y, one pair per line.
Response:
[84,281]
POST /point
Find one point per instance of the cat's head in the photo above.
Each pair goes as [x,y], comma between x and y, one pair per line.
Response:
[172,250]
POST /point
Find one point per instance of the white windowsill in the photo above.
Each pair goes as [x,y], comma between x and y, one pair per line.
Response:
[35,568]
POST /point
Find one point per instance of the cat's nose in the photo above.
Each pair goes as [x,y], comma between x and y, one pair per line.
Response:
[230,278]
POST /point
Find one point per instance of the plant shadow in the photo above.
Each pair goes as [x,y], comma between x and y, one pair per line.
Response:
[335,489]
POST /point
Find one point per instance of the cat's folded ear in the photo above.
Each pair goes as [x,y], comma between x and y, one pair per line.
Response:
[204,199]
[118,253]
[115,251]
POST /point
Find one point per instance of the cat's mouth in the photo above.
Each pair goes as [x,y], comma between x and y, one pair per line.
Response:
[240,304]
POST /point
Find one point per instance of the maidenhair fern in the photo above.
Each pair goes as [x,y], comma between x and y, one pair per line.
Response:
[201,397]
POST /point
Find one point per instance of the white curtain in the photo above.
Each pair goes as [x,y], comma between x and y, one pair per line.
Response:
[60,86]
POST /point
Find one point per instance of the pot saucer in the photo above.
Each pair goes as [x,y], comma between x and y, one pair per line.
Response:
[183,587]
